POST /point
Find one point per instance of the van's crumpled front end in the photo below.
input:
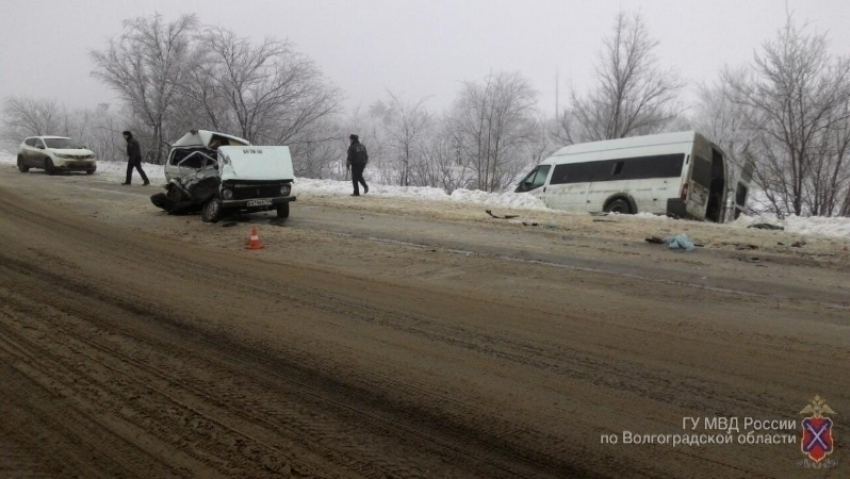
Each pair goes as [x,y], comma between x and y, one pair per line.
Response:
[255,194]
[255,178]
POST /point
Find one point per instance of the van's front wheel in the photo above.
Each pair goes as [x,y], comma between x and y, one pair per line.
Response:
[283,210]
[211,212]
[619,206]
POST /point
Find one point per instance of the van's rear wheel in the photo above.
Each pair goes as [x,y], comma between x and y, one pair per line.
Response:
[283,210]
[212,211]
[619,206]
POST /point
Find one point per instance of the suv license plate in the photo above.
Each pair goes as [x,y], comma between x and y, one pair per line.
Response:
[259,202]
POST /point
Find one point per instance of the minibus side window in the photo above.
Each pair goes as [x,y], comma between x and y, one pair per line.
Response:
[618,168]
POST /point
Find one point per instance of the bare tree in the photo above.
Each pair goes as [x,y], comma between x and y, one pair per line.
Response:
[493,120]
[267,92]
[406,126]
[26,116]
[633,95]
[443,166]
[146,65]
[795,99]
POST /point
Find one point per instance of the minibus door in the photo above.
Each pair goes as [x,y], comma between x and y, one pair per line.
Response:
[742,190]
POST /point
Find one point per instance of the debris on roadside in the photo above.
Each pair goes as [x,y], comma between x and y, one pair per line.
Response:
[506,217]
[798,244]
[229,224]
[679,241]
[603,221]
[767,226]
[740,246]
[753,260]
[524,223]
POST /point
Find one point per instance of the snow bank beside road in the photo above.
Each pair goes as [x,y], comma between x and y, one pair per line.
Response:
[814,225]
[110,169]
[496,200]
[819,225]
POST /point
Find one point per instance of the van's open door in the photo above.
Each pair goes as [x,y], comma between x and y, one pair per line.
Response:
[742,190]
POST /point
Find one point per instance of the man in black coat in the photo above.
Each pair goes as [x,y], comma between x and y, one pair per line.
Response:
[134,158]
[357,159]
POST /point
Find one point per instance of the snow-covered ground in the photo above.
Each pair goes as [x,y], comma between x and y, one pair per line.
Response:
[496,200]
[814,225]
[834,227]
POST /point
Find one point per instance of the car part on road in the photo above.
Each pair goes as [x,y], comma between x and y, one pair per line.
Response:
[506,217]
[767,226]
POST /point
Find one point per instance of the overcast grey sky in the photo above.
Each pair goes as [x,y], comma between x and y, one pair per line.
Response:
[416,48]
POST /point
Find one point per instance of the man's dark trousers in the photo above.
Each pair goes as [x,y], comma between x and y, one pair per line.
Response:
[357,177]
[137,164]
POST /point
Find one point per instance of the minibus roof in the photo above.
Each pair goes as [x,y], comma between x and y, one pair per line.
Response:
[624,143]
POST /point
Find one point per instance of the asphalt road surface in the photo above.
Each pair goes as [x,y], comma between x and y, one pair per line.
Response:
[133,344]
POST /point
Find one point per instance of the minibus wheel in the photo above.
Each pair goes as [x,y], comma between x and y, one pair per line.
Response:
[619,206]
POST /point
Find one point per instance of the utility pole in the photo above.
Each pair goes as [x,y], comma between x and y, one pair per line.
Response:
[557,91]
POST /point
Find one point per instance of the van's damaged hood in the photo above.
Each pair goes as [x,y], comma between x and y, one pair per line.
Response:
[203,139]
[255,163]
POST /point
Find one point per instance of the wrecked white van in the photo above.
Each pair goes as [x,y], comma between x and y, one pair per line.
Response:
[218,174]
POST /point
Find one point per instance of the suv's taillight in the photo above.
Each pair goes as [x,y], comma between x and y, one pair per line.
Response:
[684,194]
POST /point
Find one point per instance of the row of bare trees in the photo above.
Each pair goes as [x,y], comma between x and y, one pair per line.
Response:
[788,112]
[177,75]
[484,141]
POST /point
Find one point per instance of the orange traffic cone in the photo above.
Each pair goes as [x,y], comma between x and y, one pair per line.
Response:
[254,241]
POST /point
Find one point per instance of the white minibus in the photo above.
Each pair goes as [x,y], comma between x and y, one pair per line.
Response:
[677,174]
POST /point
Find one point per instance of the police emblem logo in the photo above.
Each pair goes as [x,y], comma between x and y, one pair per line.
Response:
[817,440]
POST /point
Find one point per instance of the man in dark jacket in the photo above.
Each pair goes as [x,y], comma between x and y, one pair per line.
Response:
[357,159]
[134,158]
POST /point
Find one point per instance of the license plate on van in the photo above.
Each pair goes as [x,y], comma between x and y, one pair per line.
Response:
[259,202]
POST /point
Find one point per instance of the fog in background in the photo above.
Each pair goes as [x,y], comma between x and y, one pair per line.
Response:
[414,48]
[450,94]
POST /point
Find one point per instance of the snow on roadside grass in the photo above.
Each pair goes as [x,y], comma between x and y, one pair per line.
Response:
[813,225]
[834,227]
[497,200]
[111,169]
